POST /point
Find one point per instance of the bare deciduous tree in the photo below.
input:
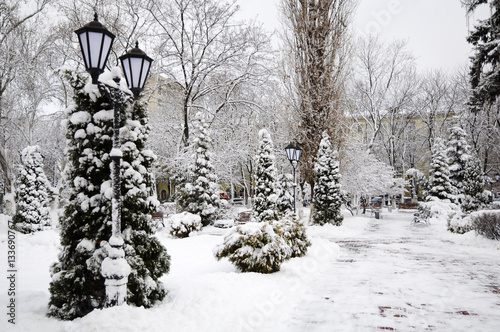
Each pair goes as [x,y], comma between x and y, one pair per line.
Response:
[211,55]
[316,36]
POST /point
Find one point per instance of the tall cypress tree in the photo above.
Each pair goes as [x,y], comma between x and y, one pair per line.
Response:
[264,203]
[77,285]
[439,173]
[458,152]
[32,189]
[200,192]
[285,193]
[327,197]
[473,185]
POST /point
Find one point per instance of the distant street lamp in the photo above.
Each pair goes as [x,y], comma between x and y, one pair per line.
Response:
[487,180]
[293,153]
[95,43]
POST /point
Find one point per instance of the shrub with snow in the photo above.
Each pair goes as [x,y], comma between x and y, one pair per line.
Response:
[460,223]
[32,191]
[184,224]
[294,233]
[254,247]
[441,210]
[487,223]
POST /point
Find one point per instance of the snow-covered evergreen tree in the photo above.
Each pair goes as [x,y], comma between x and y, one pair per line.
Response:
[32,191]
[458,152]
[77,285]
[484,73]
[439,173]
[473,186]
[327,196]
[285,188]
[264,203]
[200,192]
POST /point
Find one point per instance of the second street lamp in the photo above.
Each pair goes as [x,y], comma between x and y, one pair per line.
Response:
[293,154]
[95,43]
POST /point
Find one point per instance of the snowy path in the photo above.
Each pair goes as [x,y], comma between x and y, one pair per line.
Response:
[396,276]
[386,275]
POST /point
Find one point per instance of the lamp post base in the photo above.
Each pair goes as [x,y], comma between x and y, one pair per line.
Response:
[115,269]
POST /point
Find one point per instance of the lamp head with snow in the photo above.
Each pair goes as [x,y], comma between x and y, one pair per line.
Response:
[293,153]
[136,65]
[95,43]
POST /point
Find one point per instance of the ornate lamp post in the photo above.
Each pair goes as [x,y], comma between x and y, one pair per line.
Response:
[95,43]
[293,153]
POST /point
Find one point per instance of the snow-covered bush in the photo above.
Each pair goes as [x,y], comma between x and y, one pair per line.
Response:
[254,247]
[487,223]
[32,191]
[184,224]
[441,210]
[295,235]
[460,223]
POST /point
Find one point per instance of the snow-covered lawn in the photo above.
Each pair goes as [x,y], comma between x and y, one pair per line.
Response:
[366,275]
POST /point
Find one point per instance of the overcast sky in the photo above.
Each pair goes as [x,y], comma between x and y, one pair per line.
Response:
[435,29]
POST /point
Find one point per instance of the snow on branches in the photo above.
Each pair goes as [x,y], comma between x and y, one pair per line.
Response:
[33,190]
[327,198]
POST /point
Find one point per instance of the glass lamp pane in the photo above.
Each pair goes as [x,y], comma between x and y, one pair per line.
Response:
[84,46]
[126,70]
[106,47]
[95,41]
[136,68]
[144,73]
[298,153]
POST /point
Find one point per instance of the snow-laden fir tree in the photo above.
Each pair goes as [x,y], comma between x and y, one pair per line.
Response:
[264,203]
[473,186]
[458,152]
[327,196]
[32,190]
[200,192]
[439,173]
[77,285]
[484,73]
[285,187]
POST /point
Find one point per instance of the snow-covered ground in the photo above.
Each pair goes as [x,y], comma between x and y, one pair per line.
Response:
[367,275]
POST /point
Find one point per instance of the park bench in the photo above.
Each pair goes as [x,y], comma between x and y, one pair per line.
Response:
[243,218]
[158,217]
[408,206]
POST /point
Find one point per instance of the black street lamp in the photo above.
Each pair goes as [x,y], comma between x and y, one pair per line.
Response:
[95,43]
[293,153]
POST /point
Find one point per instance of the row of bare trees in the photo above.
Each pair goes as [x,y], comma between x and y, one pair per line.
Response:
[321,77]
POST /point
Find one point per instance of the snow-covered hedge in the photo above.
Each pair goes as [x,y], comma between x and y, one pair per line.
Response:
[294,233]
[254,247]
[441,210]
[184,224]
[487,223]
[460,223]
